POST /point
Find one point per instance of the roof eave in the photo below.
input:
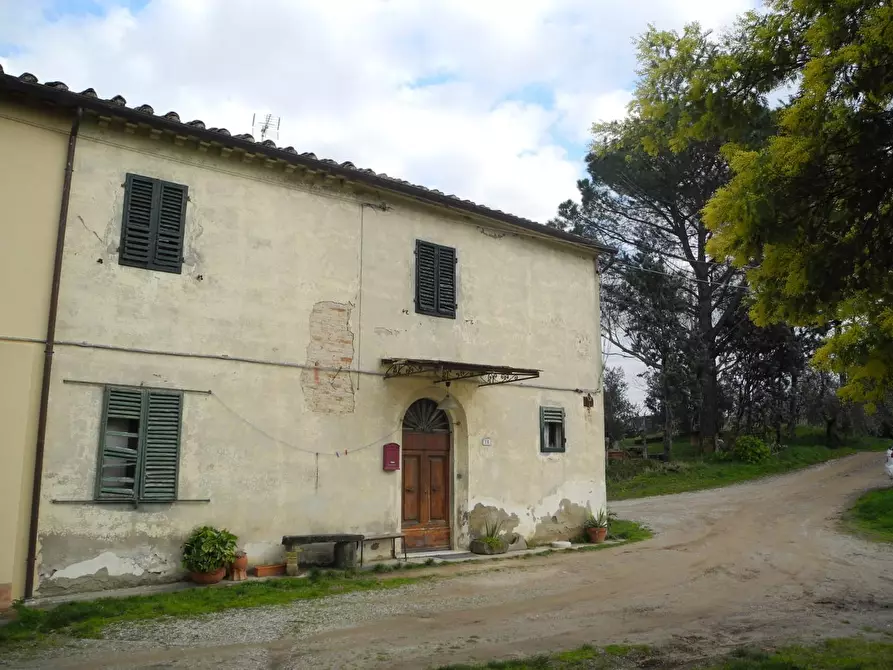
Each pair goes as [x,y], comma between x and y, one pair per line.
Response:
[69,99]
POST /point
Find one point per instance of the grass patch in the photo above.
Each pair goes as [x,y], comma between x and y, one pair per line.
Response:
[872,515]
[640,478]
[841,654]
[584,653]
[87,619]
[629,531]
[612,657]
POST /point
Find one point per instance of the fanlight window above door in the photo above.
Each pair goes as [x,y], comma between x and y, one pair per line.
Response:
[424,417]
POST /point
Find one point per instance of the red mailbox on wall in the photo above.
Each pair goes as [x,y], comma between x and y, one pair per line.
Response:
[391,456]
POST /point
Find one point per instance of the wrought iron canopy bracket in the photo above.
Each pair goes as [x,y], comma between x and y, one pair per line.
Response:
[443,371]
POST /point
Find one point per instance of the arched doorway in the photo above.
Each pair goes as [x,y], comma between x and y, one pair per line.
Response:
[426,476]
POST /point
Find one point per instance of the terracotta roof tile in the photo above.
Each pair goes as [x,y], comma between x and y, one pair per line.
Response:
[89,98]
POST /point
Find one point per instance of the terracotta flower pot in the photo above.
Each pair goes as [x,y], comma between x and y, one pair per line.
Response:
[241,563]
[272,570]
[208,577]
[597,535]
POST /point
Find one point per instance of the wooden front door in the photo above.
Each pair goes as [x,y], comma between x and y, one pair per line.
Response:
[426,481]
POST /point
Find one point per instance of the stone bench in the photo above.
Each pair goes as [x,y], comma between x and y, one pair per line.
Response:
[345,547]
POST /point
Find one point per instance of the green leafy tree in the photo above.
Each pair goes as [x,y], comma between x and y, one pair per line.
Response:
[809,207]
[619,411]
[645,316]
[646,194]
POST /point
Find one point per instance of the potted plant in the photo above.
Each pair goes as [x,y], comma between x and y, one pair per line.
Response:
[596,526]
[238,569]
[490,541]
[207,552]
[240,562]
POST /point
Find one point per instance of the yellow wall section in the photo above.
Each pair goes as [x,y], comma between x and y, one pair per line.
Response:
[31,172]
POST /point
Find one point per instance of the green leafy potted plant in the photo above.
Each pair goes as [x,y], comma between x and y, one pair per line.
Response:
[596,526]
[207,552]
[490,541]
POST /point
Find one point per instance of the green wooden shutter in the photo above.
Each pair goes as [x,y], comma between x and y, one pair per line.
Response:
[161,450]
[168,228]
[119,451]
[426,277]
[446,281]
[136,228]
[551,415]
[153,224]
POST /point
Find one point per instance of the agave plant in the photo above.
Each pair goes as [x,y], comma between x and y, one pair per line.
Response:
[492,531]
[599,520]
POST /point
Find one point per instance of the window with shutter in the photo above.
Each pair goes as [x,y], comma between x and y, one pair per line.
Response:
[161,450]
[435,280]
[552,431]
[140,445]
[119,448]
[153,224]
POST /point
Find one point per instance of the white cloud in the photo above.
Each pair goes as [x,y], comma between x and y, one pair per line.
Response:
[340,75]
[521,81]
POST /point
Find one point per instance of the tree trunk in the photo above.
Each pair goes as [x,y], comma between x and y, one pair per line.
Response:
[707,370]
[739,410]
[668,422]
[830,432]
[793,407]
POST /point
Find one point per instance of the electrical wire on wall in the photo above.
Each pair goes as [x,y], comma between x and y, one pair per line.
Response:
[316,453]
[336,454]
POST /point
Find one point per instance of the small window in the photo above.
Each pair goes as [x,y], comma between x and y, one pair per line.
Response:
[435,280]
[139,449]
[152,227]
[552,433]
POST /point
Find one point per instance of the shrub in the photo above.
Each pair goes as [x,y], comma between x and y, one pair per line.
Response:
[208,549]
[750,449]
[599,520]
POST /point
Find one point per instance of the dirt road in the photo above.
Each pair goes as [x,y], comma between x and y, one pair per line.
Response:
[756,562]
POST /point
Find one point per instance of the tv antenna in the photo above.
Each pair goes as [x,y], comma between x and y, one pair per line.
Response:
[265,127]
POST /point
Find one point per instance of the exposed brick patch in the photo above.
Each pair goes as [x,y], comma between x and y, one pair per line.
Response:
[329,390]
[5,597]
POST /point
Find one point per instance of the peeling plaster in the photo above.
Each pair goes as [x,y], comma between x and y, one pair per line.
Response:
[558,515]
[107,560]
[331,347]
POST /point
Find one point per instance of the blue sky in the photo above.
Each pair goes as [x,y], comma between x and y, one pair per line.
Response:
[489,99]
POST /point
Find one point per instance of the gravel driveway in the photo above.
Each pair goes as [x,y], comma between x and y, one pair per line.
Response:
[756,562]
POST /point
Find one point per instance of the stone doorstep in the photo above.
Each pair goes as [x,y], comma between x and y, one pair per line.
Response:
[173,587]
[446,556]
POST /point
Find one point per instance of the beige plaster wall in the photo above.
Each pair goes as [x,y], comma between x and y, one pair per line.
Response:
[273,273]
[33,147]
